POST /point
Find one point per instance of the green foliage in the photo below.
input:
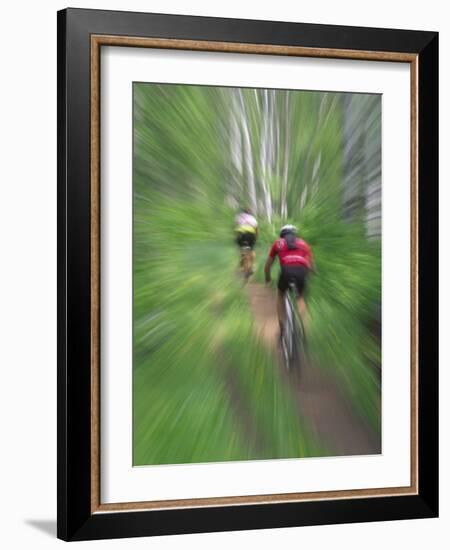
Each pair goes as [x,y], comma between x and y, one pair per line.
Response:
[205,387]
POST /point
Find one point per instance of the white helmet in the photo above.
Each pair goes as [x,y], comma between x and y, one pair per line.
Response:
[288,229]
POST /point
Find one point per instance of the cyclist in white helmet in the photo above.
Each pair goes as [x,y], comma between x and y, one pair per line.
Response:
[296,262]
[246,234]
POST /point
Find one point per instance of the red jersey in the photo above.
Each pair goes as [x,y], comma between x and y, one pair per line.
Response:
[299,256]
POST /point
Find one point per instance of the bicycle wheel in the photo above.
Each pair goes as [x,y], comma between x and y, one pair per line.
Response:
[298,344]
[246,262]
[287,337]
[293,334]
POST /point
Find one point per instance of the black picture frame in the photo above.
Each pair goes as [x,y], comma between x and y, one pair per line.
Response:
[76,521]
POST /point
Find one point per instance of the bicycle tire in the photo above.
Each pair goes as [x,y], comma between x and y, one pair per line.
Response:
[294,334]
[286,336]
[246,262]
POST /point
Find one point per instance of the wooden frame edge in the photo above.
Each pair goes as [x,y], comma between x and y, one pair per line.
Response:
[237,47]
[253,499]
[211,46]
[414,276]
[95,273]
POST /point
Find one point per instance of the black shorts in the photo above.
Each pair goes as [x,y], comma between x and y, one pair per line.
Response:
[293,274]
[246,239]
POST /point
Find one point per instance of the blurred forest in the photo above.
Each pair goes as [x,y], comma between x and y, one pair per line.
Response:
[203,382]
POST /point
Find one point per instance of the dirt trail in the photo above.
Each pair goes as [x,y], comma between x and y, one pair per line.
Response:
[320,401]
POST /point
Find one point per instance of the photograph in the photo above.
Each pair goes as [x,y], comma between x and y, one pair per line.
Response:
[257,297]
[224,284]
[247,269]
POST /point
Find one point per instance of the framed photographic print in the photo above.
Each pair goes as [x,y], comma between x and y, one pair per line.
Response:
[247,257]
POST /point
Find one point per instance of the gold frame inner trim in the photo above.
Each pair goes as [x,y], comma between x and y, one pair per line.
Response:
[97,41]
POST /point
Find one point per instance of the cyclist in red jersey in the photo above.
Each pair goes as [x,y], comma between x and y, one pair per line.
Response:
[296,262]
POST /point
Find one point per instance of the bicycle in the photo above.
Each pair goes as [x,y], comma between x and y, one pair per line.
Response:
[292,338]
[246,263]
